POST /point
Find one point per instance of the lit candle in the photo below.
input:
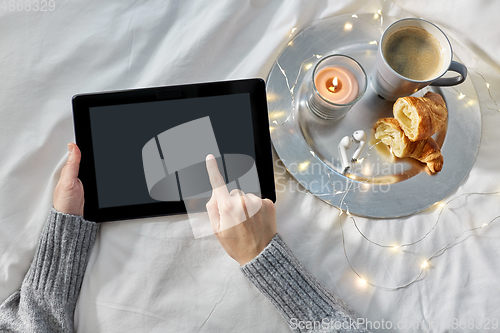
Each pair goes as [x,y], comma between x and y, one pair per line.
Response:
[337,84]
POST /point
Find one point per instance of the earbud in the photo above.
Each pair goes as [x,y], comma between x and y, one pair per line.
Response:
[345,144]
[360,138]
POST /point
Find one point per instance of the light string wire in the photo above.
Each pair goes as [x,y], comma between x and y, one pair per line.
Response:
[442,205]
[368,282]
[425,264]
[462,95]
[292,88]
[489,93]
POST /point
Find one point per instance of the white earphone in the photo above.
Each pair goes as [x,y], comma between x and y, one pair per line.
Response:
[345,144]
[360,138]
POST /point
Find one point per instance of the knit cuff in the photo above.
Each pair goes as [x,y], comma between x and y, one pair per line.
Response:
[294,291]
[61,256]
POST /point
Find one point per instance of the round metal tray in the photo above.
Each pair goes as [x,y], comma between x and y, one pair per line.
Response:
[380,185]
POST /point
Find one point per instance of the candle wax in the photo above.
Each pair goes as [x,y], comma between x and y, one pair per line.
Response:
[347,88]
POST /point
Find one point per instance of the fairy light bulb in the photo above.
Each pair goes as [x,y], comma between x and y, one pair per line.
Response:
[303,166]
[425,264]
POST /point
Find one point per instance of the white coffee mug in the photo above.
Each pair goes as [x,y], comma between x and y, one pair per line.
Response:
[390,85]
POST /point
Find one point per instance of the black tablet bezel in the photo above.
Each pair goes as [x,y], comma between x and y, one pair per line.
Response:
[81,115]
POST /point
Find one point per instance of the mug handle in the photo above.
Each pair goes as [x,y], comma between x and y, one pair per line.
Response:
[451,81]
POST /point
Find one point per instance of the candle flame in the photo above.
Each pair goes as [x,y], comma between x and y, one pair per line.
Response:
[335,84]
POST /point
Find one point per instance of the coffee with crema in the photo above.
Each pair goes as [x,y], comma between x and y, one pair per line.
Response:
[413,53]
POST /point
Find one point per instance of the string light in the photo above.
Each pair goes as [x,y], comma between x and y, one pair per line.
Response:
[291,88]
[461,95]
[488,88]
[441,205]
[377,15]
[271,97]
[354,15]
[426,263]
[366,281]
[303,166]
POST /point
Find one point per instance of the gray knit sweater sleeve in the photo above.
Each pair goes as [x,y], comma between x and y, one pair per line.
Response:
[47,298]
[304,303]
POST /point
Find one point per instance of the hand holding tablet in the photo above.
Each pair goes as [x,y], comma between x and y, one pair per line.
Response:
[68,194]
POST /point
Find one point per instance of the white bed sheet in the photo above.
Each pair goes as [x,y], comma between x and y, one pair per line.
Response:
[151,275]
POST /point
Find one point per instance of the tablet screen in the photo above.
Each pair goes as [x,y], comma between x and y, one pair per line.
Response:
[143,150]
[120,134]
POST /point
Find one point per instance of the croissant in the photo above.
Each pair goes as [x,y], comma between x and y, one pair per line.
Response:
[420,117]
[426,151]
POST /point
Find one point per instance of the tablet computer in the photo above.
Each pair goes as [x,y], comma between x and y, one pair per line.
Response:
[143,150]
